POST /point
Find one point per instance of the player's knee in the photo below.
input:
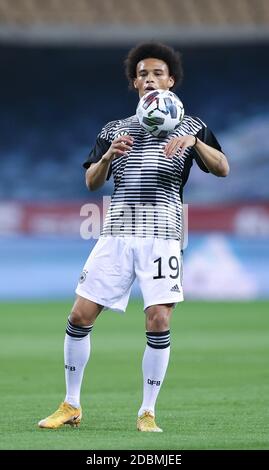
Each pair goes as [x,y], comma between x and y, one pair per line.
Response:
[77,317]
[158,317]
[84,312]
[158,321]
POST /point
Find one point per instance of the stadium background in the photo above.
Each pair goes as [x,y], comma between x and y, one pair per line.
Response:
[61,80]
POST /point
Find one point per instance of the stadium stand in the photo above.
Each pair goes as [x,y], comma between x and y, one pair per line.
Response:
[179,12]
[55,100]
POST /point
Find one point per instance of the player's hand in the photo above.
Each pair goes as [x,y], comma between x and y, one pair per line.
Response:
[178,143]
[119,147]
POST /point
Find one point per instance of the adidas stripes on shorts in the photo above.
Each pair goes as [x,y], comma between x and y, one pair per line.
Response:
[115,262]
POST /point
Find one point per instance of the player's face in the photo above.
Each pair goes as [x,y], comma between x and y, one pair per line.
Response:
[152,74]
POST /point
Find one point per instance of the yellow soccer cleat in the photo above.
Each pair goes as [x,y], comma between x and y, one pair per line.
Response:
[66,414]
[146,423]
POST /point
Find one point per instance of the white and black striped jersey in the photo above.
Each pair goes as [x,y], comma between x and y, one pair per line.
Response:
[147,197]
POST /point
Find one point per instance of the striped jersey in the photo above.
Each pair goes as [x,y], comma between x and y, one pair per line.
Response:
[148,188]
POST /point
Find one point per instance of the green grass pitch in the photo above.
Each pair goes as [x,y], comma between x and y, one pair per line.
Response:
[215,395]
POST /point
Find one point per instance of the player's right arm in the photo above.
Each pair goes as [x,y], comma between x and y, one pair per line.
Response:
[97,173]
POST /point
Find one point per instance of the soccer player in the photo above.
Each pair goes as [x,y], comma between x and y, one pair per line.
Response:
[142,233]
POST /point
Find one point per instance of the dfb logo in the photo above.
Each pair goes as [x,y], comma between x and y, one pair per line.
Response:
[154,382]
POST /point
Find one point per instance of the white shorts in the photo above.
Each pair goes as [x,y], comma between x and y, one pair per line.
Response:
[115,262]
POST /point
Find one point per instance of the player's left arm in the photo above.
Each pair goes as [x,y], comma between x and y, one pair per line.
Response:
[213,159]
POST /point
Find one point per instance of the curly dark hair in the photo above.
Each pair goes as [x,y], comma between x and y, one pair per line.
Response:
[154,50]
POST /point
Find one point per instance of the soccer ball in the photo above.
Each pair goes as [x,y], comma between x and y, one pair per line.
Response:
[160,112]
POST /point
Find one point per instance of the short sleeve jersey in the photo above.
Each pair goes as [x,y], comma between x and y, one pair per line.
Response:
[148,188]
